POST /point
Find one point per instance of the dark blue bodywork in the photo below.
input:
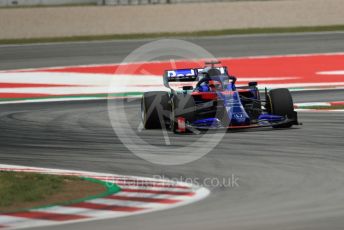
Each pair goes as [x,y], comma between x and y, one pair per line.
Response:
[236,113]
[233,102]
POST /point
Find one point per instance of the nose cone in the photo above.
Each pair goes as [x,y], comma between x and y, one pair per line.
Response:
[235,111]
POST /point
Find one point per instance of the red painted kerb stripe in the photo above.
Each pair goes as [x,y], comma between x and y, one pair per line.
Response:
[144,199]
[46,216]
[158,192]
[106,207]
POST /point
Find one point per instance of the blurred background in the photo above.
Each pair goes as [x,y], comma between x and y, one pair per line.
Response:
[99,2]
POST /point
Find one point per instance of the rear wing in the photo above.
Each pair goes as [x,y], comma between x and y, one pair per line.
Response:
[180,75]
[186,75]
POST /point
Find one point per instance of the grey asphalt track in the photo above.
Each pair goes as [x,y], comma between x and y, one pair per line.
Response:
[288,179]
[64,54]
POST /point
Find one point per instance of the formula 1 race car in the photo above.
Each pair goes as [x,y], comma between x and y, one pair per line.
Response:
[209,99]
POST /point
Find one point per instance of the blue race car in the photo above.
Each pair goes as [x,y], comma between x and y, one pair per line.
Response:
[213,101]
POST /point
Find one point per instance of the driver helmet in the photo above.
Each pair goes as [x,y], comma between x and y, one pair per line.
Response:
[213,72]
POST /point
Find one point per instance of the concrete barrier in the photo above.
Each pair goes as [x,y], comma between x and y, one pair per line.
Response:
[44,22]
[45,2]
[98,2]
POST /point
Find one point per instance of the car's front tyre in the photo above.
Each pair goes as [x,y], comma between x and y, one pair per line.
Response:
[280,102]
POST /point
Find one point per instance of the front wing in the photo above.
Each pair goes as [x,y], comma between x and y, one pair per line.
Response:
[260,124]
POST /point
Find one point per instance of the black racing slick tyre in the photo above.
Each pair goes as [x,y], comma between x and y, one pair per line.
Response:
[154,109]
[183,105]
[280,102]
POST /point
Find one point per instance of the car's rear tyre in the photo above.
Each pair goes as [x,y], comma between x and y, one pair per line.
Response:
[280,102]
[154,109]
[183,105]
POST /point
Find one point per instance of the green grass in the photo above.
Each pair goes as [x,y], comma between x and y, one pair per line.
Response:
[16,187]
[178,35]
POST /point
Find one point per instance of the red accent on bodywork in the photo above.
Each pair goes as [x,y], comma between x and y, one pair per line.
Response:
[181,124]
[205,95]
[243,90]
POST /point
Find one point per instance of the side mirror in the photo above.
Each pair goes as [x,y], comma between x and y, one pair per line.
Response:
[252,83]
